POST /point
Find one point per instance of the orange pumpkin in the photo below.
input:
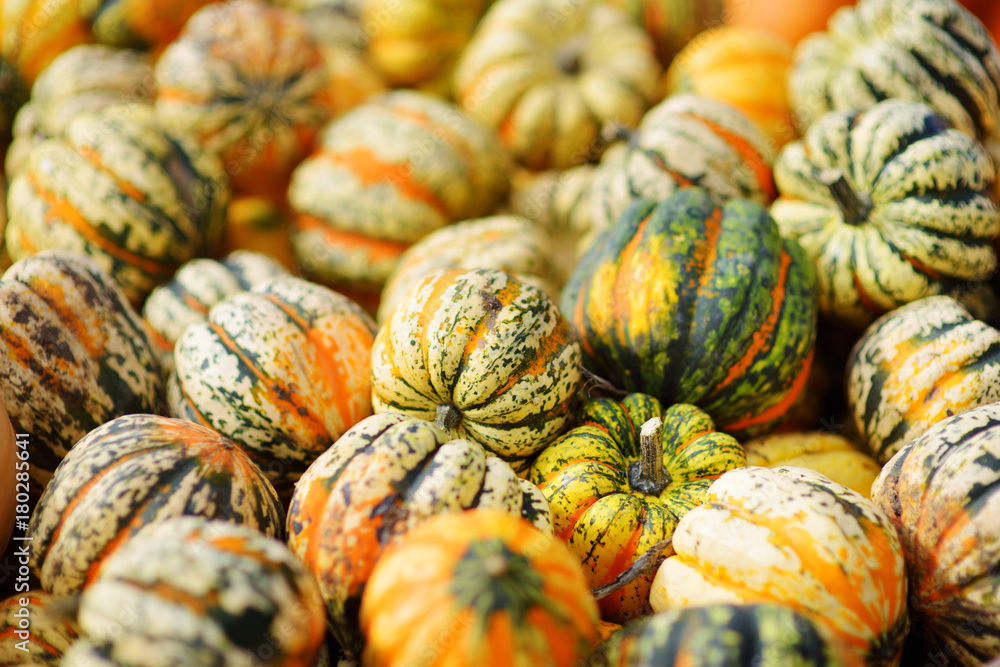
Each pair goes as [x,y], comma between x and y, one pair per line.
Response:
[791,20]
[34,32]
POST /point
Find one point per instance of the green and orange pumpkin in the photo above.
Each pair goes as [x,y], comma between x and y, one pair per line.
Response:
[33,634]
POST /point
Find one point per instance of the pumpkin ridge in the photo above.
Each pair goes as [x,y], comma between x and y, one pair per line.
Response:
[745,150]
[377,249]
[795,390]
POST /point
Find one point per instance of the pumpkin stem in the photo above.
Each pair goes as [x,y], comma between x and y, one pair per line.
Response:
[853,207]
[643,564]
[447,417]
[569,58]
[647,475]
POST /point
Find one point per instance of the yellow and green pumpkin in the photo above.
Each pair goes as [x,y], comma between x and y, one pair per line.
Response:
[621,479]
[891,204]
[695,302]
[917,366]
[831,455]
[33,634]
[673,23]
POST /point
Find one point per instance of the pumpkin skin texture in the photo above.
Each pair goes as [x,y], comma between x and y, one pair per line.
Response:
[388,474]
[725,635]
[930,51]
[48,636]
[792,536]
[685,140]
[938,492]
[487,357]
[891,204]
[75,355]
[602,509]
[283,369]
[119,188]
[202,593]
[830,455]
[506,593]
[261,114]
[672,23]
[917,366]
[547,75]
[696,303]
[34,32]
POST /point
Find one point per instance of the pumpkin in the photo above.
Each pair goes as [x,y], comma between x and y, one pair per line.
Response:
[495,591]
[251,84]
[620,480]
[387,174]
[13,94]
[930,51]
[891,204]
[485,356]
[917,366]
[743,67]
[197,286]
[792,536]
[790,21]
[138,200]
[938,492]
[548,74]
[34,32]
[282,369]
[75,355]
[672,23]
[693,302]
[686,140]
[831,455]
[353,79]
[388,474]
[141,24]
[202,593]
[15,475]
[86,78]
[32,634]
[259,225]
[509,243]
[725,634]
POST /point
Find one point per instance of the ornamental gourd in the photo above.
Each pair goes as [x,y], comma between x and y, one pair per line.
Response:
[673,23]
[792,536]
[830,455]
[548,74]
[502,591]
[48,635]
[139,24]
[74,355]
[619,481]
[939,492]
[34,32]
[485,356]
[917,366]
[891,204]
[388,474]
[695,302]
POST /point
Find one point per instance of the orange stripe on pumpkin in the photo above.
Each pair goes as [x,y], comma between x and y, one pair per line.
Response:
[783,406]
[377,249]
[745,149]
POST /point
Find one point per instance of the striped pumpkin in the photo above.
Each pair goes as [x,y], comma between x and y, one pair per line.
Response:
[917,366]
[134,471]
[494,591]
[891,204]
[34,32]
[672,23]
[685,140]
[202,593]
[75,355]
[620,480]
[283,369]
[251,84]
[86,78]
[794,537]
[831,455]
[140,24]
[929,51]
[730,635]
[195,288]
[743,67]
[693,302]
[485,356]
[939,492]
[388,173]
[547,74]
[388,474]
[45,638]
[138,200]
[509,243]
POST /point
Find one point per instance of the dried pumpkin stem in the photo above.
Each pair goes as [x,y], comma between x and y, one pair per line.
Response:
[447,417]
[642,565]
[649,476]
[853,207]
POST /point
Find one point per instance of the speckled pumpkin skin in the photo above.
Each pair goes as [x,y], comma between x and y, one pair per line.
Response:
[283,369]
[606,522]
[917,366]
[493,348]
[203,593]
[75,355]
[830,455]
[385,476]
[792,536]
[34,32]
[48,636]
[696,303]
[930,210]
[134,471]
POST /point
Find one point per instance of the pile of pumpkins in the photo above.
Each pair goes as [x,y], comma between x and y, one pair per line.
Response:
[499,332]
